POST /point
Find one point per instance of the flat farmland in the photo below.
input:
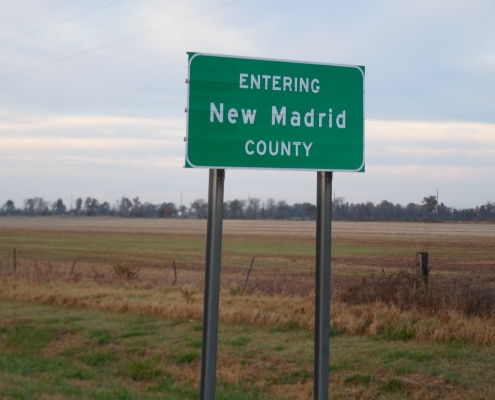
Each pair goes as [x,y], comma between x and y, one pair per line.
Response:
[392,336]
[289,246]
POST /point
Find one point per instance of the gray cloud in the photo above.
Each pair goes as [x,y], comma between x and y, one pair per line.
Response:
[111,122]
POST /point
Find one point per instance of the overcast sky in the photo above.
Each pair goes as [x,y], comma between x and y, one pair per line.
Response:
[110,123]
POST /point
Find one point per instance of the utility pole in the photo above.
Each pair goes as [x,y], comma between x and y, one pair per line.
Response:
[334,206]
[437,204]
[180,209]
[247,207]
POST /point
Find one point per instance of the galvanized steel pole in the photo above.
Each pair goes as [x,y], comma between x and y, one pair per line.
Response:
[212,283]
[322,292]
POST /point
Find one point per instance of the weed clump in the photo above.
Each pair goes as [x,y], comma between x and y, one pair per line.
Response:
[98,358]
[102,336]
[240,341]
[467,296]
[26,338]
[125,273]
[188,295]
[187,358]
[139,370]
[292,377]
[392,385]
[404,333]
[358,379]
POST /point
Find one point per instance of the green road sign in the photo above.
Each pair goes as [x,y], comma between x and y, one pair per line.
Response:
[271,114]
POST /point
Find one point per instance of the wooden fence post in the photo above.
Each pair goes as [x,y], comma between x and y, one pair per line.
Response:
[423,271]
[72,270]
[175,274]
[247,277]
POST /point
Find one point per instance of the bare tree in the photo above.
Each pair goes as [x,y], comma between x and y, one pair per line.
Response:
[369,209]
[338,207]
[78,205]
[35,206]
[236,207]
[8,207]
[270,208]
[104,208]
[311,210]
[282,210]
[254,203]
[200,207]
[166,210]
[91,206]
[59,207]
[137,210]
[40,205]
[29,206]
[430,204]
[94,206]
[125,206]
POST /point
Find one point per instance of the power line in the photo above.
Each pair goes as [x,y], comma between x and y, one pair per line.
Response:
[118,41]
[60,22]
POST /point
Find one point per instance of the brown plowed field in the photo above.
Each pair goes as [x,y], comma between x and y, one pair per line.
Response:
[284,250]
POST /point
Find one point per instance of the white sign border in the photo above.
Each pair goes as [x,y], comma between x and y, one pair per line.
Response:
[277,60]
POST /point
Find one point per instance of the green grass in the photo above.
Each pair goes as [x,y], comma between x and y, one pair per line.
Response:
[392,385]
[240,341]
[141,370]
[102,336]
[193,342]
[26,337]
[73,353]
[291,377]
[187,357]
[287,327]
[35,362]
[95,358]
[358,379]
[404,333]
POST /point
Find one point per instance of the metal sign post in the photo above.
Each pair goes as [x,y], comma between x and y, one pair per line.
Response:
[212,283]
[322,289]
[252,113]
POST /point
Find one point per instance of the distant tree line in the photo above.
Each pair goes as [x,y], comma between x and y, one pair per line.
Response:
[428,209]
[255,208]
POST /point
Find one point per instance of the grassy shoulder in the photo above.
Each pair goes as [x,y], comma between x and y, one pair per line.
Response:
[61,352]
[69,353]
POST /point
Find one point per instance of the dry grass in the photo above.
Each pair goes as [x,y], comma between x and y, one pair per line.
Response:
[396,306]
[371,292]
[396,324]
[468,296]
